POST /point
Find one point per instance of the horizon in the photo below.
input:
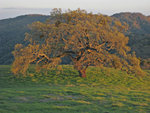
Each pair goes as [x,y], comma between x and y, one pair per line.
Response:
[9,9]
[6,13]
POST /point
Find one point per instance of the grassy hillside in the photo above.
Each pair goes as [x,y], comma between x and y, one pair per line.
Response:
[113,92]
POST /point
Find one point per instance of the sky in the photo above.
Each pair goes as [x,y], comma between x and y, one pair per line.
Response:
[11,8]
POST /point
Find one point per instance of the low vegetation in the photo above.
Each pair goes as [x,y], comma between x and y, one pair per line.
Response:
[107,91]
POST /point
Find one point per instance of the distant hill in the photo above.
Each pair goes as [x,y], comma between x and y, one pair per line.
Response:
[139,32]
[138,23]
[12,32]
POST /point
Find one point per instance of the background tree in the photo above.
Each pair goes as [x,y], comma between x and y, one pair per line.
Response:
[87,39]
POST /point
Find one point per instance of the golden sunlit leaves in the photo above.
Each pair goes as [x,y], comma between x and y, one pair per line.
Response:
[85,38]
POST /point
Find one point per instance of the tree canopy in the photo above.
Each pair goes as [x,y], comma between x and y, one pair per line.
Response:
[87,39]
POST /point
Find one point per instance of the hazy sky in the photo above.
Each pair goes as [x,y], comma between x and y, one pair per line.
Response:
[103,6]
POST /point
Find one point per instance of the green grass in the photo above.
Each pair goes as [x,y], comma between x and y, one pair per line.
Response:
[103,91]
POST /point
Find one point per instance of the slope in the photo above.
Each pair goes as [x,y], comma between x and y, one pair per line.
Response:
[12,31]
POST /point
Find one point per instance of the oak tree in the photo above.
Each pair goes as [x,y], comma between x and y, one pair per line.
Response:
[87,39]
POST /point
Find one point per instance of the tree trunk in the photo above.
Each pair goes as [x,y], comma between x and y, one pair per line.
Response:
[82,73]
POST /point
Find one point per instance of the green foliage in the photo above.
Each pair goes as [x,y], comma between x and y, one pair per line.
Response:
[12,31]
[138,32]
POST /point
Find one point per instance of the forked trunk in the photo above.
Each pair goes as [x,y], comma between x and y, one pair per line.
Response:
[82,73]
[80,67]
